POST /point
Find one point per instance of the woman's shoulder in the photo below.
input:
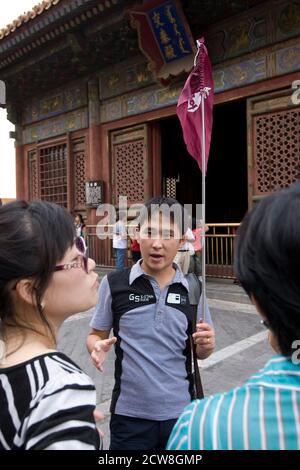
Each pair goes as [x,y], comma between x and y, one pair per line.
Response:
[60,366]
[43,376]
[49,365]
[59,376]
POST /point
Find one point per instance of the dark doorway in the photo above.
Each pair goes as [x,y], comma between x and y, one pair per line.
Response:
[226,179]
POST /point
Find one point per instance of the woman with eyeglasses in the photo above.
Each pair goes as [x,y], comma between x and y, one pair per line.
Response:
[264,413]
[47,402]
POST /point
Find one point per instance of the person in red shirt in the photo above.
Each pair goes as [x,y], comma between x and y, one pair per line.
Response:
[196,258]
[134,245]
[135,250]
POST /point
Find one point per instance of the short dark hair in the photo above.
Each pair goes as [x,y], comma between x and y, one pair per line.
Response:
[178,214]
[80,218]
[267,262]
[33,239]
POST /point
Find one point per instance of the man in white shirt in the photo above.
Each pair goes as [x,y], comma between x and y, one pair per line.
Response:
[120,242]
[186,250]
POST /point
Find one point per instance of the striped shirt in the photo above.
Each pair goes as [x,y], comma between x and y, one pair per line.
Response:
[263,414]
[47,403]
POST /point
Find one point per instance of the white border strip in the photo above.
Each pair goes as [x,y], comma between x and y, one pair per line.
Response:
[235,348]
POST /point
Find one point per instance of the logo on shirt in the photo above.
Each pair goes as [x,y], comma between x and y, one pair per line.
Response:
[176,299]
[141,298]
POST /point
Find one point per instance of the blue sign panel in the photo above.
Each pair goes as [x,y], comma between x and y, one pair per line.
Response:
[169,32]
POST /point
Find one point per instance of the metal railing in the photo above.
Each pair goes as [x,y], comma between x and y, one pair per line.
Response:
[101,250]
[219,249]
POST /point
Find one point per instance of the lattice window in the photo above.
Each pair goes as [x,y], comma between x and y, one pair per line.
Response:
[79,158]
[53,174]
[170,187]
[277,152]
[33,175]
[129,170]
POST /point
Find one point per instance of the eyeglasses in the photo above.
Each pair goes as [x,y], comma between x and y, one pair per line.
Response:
[83,263]
[265,323]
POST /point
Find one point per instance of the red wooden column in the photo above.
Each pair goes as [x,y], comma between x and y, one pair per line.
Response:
[94,165]
[22,189]
[106,254]
[94,147]
[156,165]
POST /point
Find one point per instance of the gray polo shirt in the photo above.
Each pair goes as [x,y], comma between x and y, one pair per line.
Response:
[152,350]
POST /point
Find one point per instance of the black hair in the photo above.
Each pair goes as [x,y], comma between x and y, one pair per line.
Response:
[80,217]
[33,239]
[178,214]
[267,260]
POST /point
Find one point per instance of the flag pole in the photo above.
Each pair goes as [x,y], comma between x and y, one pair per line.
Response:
[203,172]
[203,212]
[198,93]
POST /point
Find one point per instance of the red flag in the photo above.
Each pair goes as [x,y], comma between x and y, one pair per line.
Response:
[198,90]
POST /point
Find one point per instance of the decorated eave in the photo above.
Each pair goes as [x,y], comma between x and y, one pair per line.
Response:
[27,16]
[62,40]
[45,22]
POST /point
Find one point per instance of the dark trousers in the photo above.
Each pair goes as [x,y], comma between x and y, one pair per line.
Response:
[139,434]
[136,255]
[196,264]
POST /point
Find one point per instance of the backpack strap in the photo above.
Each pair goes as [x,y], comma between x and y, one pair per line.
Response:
[195,290]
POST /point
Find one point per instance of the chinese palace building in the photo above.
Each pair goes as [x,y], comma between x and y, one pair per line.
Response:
[92,88]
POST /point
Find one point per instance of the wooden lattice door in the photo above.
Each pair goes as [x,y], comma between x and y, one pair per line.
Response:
[273,143]
[131,164]
[33,177]
[53,174]
[47,174]
[79,157]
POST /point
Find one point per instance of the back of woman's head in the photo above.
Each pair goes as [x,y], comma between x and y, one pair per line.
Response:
[33,239]
[267,261]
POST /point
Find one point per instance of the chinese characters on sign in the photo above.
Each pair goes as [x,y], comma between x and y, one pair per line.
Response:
[164,37]
[94,193]
[169,32]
